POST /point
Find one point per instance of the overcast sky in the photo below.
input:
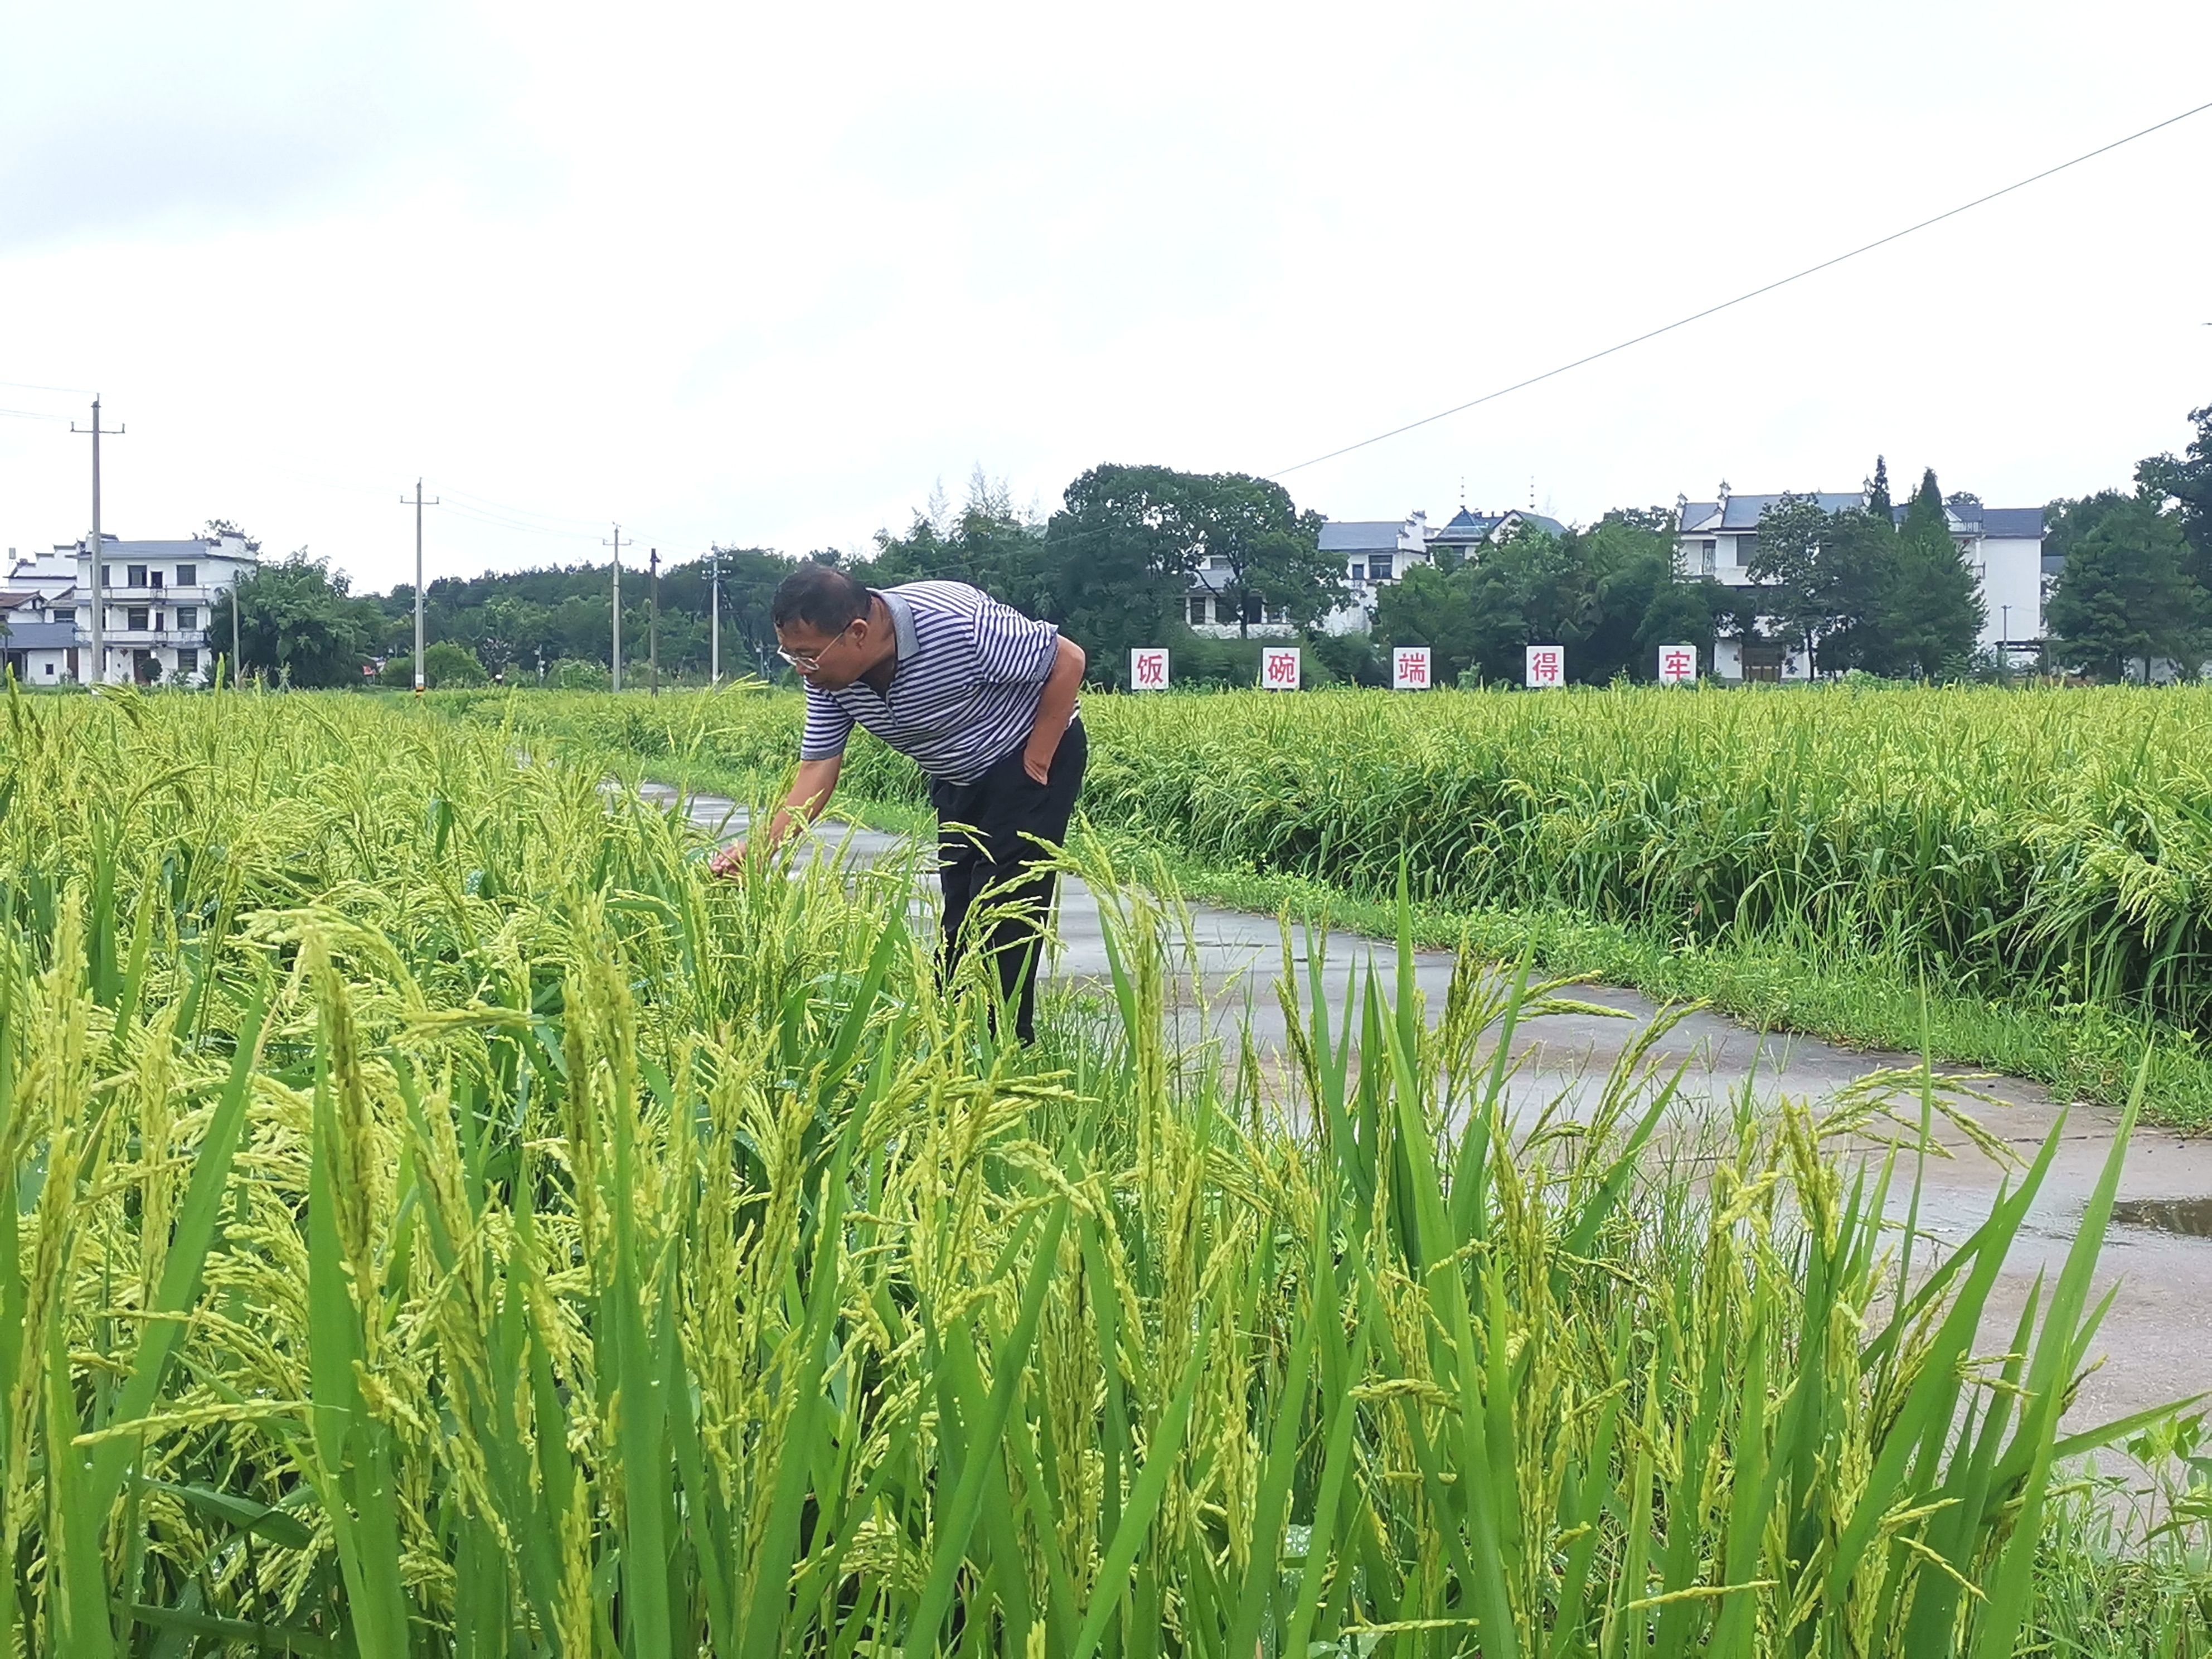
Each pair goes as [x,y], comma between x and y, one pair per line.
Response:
[764,274]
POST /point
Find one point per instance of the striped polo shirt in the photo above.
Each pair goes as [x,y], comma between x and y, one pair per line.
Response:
[964,693]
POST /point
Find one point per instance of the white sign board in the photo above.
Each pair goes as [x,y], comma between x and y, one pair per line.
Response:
[1548,666]
[1278,667]
[1148,668]
[1409,668]
[1678,665]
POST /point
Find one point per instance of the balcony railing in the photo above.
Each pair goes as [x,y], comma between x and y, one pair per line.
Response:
[116,593]
[119,637]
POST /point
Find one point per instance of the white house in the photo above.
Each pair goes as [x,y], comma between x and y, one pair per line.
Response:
[2003,545]
[39,610]
[156,596]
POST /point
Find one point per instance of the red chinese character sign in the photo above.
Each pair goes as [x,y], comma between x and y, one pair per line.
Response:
[1678,665]
[1279,668]
[1409,668]
[1548,666]
[1148,668]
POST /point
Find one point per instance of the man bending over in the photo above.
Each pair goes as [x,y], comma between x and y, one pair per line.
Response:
[982,698]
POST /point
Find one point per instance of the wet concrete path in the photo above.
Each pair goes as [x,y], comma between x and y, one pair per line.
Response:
[2157,1338]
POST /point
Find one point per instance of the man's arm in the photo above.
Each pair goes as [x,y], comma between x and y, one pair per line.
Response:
[1055,705]
[810,793]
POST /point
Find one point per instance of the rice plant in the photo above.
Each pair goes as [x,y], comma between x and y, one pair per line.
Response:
[2050,844]
[450,1222]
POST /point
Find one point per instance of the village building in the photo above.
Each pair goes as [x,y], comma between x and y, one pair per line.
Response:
[1376,552]
[2002,545]
[156,595]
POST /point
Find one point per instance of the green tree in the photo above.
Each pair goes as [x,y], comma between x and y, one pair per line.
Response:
[2125,599]
[987,542]
[1266,551]
[1877,488]
[1534,588]
[2188,481]
[219,527]
[1433,606]
[297,622]
[1643,599]
[444,664]
[1611,594]
[1120,555]
[1821,577]
[1931,609]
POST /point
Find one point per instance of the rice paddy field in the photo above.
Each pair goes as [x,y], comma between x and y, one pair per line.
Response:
[448,1221]
[2040,861]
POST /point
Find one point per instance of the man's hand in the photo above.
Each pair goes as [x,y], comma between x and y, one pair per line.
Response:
[808,796]
[1055,707]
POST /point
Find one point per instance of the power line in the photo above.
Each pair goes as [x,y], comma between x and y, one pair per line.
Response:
[1698,316]
[485,503]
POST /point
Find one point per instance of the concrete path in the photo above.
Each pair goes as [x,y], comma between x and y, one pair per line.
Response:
[2158,1336]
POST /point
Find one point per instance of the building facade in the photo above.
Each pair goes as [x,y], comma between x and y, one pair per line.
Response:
[156,597]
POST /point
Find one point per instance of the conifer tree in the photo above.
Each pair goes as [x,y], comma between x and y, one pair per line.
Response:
[1932,610]
[1877,487]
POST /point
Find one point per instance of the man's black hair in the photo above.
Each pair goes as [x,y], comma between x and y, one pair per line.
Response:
[822,597]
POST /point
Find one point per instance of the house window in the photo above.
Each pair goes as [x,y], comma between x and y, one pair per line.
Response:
[188,616]
[1358,573]
[188,660]
[134,575]
[187,575]
[1747,549]
[50,671]
[155,577]
[134,616]
[1197,610]
[161,619]
[1378,566]
[1252,611]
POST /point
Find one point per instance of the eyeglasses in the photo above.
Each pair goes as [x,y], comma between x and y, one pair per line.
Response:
[807,661]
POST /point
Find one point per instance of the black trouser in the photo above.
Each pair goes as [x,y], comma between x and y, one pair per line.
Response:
[991,856]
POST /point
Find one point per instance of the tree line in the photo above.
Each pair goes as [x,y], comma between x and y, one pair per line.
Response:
[1868,588]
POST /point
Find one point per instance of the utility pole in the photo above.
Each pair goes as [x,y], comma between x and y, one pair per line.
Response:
[616,659]
[653,623]
[99,602]
[418,504]
[714,626]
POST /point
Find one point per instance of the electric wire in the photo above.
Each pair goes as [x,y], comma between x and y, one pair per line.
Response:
[33,386]
[1769,288]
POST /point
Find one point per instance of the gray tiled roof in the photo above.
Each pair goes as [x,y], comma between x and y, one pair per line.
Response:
[40,636]
[1362,536]
[1468,527]
[1742,513]
[2025,523]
